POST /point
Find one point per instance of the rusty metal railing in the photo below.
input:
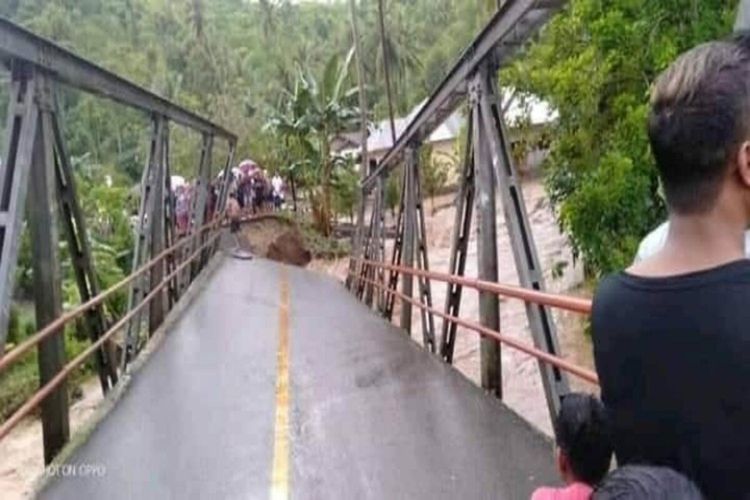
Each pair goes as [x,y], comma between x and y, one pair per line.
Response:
[57,327]
[567,303]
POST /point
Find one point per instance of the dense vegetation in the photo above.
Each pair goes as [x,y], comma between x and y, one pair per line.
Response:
[280,74]
[595,63]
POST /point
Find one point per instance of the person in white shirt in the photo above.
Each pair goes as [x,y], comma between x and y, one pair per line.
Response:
[654,241]
[277,183]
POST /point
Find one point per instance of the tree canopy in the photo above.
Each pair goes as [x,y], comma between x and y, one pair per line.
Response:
[595,63]
[237,61]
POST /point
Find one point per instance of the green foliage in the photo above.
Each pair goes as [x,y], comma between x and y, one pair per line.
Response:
[345,190]
[315,111]
[393,190]
[21,379]
[594,63]
[434,168]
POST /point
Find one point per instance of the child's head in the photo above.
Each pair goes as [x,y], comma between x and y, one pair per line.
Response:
[583,439]
[641,482]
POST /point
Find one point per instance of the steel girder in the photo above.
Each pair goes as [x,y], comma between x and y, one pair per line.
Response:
[148,228]
[514,24]
[487,263]
[541,322]
[459,244]
[18,44]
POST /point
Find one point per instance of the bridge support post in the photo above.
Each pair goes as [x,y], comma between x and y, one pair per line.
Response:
[487,265]
[541,323]
[150,196]
[170,222]
[20,132]
[459,244]
[31,164]
[33,116]
[380,257]
[398,245]
[74,227]
[423,263]
[198,212]
[375,244]
[367,271]
[43,227]
[221,203]
[226,180]
[158,225]
[351,277]
[407,255]
[363,270]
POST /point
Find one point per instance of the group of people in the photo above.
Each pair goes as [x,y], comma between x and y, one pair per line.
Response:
[184,198]
[250,191]
[254,191]
[670,333]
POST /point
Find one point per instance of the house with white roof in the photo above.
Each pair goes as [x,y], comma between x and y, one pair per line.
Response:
[527,118]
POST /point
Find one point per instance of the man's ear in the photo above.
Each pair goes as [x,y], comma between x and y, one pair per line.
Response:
[743,163]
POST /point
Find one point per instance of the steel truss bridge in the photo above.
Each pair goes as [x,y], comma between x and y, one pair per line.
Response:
[243,379]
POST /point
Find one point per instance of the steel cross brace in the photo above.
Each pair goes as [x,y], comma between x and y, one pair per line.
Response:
[396,254]
[151,193]
[37,159]
[170,222]
[423,262]
[375,247]
[371,251]
[459,245]
[74,225]
[380,238]
[354,265]
[30,165]
[541,323]
[365,270]
[198,212]
[21,130]
[414,242]
[221,203]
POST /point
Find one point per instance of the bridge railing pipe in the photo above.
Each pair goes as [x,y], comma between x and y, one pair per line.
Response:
[50,386]
[572,304]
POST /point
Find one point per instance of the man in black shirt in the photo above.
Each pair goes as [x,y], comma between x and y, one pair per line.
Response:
[672,333]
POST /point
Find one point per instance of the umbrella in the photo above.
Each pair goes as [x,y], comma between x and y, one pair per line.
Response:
[177,181]
[246,166]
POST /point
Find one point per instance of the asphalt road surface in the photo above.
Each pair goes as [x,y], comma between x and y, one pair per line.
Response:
[277,383]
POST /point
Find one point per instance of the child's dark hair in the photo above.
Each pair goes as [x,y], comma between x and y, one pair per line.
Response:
[642,482]
[583,434]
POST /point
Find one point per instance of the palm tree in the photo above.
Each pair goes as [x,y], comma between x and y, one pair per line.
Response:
[313,112]
[397,52]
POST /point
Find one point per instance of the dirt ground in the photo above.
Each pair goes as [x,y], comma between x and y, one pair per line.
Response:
[522,386]
[21,459]
[275,238]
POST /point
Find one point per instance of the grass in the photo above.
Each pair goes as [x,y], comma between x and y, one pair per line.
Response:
[321,247]
[21,380]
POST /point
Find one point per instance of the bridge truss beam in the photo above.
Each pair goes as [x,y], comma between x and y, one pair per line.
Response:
[37,180]
[515,22]
[488,170]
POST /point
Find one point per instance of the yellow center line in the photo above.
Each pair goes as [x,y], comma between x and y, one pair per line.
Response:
[280,472]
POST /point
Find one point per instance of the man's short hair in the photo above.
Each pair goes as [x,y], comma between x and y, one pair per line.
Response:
[700,114]
[643,482]
[583,434]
